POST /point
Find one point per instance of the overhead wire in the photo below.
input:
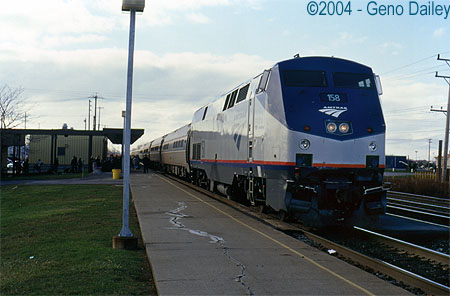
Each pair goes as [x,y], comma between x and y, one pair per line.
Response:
[418,71]
[414,63]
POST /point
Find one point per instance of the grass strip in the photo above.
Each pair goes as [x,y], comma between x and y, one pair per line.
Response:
[57,240]
[44,176]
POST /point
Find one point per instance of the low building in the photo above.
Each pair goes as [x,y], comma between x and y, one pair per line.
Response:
[65,148]
[61,144]
[396,162]
[436,159]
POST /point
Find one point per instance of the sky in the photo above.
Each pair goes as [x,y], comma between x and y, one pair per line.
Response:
[189,52]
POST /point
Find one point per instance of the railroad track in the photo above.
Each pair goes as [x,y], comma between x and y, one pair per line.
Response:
[425,208]
[409,278]
[427,254]
[376,265]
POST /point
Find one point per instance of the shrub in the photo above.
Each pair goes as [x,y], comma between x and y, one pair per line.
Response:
[414,185]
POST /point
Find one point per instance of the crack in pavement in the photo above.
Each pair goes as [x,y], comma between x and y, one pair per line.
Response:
[177,215]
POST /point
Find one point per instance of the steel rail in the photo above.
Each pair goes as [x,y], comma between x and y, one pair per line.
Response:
[425,216]
[417,220]
[418,209]
[377,265]
[420,205]
[415,197]
[425,208]
[408,247]
[388,269]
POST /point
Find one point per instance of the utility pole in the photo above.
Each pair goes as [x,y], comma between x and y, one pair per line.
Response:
[429,146]
[447,125]
[25,120]
[89,116]
[439,162]
[95,111]
[99,108]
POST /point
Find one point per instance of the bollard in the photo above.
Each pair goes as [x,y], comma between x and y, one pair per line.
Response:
[116,174]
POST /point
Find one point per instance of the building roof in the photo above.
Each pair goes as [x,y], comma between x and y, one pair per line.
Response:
[10,137]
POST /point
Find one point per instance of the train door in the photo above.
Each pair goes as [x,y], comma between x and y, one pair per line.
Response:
[250,143]
[250,127]
[160,154]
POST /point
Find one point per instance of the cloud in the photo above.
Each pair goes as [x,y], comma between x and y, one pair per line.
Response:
[198,18]
[391,47]
[406,104]
[28,23]
[439,32]
[286,33]
[168,12]
[58,83]
[347,37]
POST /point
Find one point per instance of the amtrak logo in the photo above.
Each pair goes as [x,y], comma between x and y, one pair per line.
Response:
[334,111]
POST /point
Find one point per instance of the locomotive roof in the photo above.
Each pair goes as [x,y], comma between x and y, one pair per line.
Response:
[313,62]
[322,62]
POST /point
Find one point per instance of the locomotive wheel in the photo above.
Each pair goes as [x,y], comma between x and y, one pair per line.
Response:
[230,194]
[262,208]
[282,215]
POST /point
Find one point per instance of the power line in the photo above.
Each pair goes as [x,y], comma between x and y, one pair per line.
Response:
[424,71]
[408,65]
[417,75]
[414,63]
[418,71]
[406,109]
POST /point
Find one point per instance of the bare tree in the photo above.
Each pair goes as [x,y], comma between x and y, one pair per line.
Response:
[12,107]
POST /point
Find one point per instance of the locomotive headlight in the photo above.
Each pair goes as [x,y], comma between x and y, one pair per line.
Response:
[304,144]
[344,128]
[373,146]
[331,127]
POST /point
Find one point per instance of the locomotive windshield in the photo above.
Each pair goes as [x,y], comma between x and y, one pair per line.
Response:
[301,78]
[353,80]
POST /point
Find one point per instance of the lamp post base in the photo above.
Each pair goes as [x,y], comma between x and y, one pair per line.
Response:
[128,243]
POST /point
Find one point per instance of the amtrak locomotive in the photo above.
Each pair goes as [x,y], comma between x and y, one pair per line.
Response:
[305,138]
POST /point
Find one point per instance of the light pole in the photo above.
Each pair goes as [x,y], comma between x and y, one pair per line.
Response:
[125,238]
[99,108]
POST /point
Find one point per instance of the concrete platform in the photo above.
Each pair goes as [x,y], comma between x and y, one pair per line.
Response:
[199,246]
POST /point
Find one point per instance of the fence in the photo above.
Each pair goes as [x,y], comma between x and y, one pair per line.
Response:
[430,175]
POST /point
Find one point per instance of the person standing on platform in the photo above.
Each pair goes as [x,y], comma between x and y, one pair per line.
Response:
[74,164]
[146,162]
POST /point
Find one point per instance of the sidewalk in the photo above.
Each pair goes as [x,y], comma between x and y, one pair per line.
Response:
[199,246]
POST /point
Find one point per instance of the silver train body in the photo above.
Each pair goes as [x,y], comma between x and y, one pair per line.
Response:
[305,138]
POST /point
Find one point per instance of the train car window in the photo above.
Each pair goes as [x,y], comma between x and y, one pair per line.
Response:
[226,102]
[242,93]
[303,78]
[166,146]
[233,98]
[196,151]
[204,113]
[353,80]
[263,81]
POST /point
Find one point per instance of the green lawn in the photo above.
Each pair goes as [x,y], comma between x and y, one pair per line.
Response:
[57,240]
[44,176]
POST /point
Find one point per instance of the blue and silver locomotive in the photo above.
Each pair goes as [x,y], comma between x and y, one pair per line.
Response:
[305,138]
